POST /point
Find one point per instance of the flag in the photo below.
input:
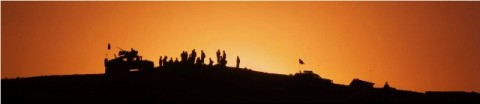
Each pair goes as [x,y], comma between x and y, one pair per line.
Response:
[300,61]
[108,46]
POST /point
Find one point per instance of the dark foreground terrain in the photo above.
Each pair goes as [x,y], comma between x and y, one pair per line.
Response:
[208,85]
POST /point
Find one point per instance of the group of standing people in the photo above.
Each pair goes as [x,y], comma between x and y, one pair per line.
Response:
[192,59]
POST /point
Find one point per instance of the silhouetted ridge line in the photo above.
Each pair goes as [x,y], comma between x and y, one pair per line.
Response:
[130,79]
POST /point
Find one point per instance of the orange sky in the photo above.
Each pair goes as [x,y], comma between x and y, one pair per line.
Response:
[413,45]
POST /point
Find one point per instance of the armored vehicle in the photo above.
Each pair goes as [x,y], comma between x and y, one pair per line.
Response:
[126,62]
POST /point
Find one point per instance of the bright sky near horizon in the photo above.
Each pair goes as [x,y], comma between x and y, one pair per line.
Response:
[413,45]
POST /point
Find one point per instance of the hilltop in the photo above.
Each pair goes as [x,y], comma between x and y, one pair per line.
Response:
[209,84]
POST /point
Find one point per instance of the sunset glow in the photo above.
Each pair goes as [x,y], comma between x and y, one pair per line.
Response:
[413,45]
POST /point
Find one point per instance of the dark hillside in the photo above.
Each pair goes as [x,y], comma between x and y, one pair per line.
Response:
[204,84]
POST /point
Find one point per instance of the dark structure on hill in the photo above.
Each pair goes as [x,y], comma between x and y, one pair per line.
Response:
[190,80]
[310,76]
[126,62]
[360,84]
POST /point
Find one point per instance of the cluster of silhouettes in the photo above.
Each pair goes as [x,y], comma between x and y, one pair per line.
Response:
[192,59]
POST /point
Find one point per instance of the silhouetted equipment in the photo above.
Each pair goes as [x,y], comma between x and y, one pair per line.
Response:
[301,61]
[127,61]
[360,84]
[310,76]
[306,75]
[238,62]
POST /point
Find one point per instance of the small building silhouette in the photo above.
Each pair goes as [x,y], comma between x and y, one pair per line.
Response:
[360,84]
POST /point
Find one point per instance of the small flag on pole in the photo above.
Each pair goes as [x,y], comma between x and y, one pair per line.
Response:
[300,61]
[108,46]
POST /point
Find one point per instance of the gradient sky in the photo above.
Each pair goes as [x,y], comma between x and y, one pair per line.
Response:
[416,46]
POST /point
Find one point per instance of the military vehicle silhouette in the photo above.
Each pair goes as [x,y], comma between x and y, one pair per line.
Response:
[126,62]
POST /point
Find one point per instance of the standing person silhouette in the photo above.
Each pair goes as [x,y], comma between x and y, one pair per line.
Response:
[164,62]
[192,57]
[224,59]
[160,61]
[184,56]
[224,55]
[202,61]
[218,57]
[238,62]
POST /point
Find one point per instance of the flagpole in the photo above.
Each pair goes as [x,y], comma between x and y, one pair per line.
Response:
[300,64]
